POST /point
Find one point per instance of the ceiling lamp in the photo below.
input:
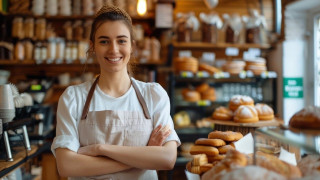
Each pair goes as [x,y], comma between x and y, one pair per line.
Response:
[142,7]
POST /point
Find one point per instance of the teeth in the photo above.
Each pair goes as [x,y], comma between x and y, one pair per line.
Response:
[114,60]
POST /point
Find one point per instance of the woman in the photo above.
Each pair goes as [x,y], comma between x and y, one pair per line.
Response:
[106,128]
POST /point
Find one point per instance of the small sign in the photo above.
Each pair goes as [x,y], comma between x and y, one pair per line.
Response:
[203,103]
[208,56]
[36,87]
[186,74]
[185,54]
[255,52]
[202,74]
[293,87]
[232,51]
[164,15]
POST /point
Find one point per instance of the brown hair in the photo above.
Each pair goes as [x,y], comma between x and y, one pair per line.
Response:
[112,13]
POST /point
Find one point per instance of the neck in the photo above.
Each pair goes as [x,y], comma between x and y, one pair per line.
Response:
[114,84]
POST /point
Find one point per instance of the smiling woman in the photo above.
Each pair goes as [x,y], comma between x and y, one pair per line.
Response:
[115,124]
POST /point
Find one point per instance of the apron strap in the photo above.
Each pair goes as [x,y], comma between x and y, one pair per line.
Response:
[141,100]
[91,91]
[88,100]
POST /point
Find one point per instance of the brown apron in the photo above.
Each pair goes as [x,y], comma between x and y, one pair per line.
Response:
[124,128]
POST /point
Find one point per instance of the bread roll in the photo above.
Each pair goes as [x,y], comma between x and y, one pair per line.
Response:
[210,151]
[265,112]
[210,142]
[307,118]
[246,114]
[222,113]
[239,100]
[225,135]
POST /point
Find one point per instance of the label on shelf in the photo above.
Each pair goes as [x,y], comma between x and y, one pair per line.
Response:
[204,103]
[250,74]
[219,75]
[255,52]
[243,74]
[268,74]
[208,56]
[232,51]
[202,74]
[186,74]
[185,53]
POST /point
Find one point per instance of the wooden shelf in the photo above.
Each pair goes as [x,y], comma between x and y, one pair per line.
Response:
[203,45]
[148,16]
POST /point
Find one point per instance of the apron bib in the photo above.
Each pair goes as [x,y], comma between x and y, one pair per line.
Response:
[124,128]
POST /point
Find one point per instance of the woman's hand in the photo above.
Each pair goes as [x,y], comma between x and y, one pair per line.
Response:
[158,135]
[91,150]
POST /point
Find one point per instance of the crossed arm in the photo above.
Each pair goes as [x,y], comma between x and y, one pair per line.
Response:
[102,159]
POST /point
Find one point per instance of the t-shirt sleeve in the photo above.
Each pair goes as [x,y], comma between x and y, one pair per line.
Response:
[161,111]
[67,128]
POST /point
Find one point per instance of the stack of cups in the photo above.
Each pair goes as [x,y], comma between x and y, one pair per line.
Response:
[7,108]
[65,7]
[38,7]
[52,7]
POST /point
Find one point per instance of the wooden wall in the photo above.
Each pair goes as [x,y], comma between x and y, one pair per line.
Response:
[228,6]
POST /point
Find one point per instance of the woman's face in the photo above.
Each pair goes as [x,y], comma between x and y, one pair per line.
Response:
[112,46]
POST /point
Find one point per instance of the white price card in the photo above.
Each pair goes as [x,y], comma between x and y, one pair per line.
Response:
[255,52]
[208,56]
[185,53]
[250,74]
[191,176]
[232,51]
[186,74]
[245,145]
[243,74]
[164,15]
[287,157]
[202,74]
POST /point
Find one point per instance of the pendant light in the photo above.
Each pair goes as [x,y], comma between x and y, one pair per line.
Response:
[142,7]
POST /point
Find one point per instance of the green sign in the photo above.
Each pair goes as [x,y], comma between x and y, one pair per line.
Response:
[293,87]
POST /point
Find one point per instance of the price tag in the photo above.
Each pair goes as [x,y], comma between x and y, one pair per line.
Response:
[272,74]
[232,51]
[264,74]
[255,52]
[250,74]
[226,75]
[208,56]
[186,74]
[185,54]
[202,74]
[218,75]
[243,74]
[203,103]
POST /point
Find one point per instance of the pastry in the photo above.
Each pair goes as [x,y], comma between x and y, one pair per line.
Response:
[217,157]
[222,113]
[210,151]
[307,118]
[205,167]
[309,165]
[234,159]
[209,94]
[195,170]
[199,160]
[185,64]
[239,100]
[247,173]
[273,163]
[191,96]
[208,68]
[202,87]
[246,114]
[210,142]
[225,135]
[224,149]
[265,112]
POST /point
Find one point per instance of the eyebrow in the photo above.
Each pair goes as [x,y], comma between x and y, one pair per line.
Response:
[106,37]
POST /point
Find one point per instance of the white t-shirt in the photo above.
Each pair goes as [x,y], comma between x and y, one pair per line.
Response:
[72,101]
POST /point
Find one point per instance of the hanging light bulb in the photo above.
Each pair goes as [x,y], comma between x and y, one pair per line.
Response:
[142,7]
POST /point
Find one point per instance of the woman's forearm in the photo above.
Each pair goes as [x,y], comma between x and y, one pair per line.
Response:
[145,157]
[72,164]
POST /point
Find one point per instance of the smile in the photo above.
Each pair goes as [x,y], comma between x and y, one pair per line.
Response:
[114,59]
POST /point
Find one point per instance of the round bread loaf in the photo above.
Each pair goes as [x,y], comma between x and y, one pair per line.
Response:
[191,96]
[202,87]
[222,113]
[246,114]
[265,112]
[307,118]
[239,100]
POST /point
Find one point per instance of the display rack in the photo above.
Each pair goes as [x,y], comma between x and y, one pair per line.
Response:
[305,141]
